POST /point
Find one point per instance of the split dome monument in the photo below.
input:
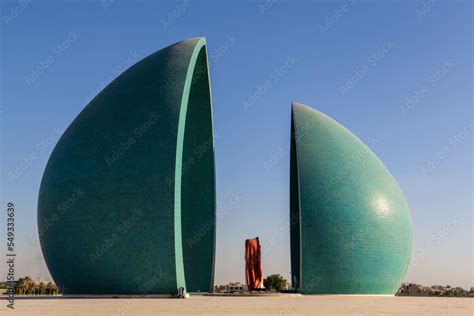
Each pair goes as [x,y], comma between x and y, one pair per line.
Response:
[132,151]
[141,156]
[350,226]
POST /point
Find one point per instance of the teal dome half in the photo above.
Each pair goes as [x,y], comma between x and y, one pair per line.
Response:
[351,230]
[127,199]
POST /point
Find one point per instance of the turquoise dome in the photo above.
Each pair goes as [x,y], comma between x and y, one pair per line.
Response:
[127,200]
[351,230]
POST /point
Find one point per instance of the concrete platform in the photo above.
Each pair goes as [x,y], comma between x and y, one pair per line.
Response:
[271,305]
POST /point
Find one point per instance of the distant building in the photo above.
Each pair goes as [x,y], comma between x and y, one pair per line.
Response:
[471,292]
[459,291]
[425,291]
[438,290]
[219,288]
[412,289]
[235,287]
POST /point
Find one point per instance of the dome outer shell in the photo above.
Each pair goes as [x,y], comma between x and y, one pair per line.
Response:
[116,203]
[351,230]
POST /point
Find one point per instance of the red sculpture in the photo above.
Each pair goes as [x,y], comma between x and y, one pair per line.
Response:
[253,263]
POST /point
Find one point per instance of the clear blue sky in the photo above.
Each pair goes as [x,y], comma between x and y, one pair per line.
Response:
[398,74]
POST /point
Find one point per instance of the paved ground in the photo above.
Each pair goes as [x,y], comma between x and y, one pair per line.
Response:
[282,305]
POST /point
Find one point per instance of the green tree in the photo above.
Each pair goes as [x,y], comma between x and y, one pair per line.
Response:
[22,284]
[55,289]
[274,282]
[49,288]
